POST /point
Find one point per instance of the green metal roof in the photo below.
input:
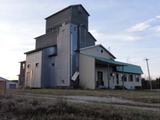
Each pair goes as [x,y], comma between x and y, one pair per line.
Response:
[105,60]
[129,68]
[121,67]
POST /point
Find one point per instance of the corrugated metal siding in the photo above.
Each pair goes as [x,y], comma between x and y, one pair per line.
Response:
[46,40]
[48,68]
[58,19]
[62,60]
[33,72]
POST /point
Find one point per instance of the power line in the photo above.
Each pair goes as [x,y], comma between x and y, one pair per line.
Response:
[149,77]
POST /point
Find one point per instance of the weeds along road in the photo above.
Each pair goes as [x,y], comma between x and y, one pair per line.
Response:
[118,101]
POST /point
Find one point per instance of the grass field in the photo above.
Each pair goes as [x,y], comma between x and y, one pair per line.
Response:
[19,108]
[146,96]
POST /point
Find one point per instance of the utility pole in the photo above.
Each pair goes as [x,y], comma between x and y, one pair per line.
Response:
[149,77]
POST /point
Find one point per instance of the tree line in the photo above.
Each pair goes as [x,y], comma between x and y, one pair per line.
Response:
[155,83]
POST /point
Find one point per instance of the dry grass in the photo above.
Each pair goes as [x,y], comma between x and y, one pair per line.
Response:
[13,108]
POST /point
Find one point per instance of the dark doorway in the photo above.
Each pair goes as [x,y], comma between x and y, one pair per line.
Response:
[100,82]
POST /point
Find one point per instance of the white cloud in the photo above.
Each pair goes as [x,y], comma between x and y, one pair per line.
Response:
[157,29]
[158,17]
[145,25]
[139,27]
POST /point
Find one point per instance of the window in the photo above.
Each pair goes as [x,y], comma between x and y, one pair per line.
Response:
[100,78]
[111,74]
[137,78]
[12,86]
[28,66]
[101,51]
[124,78]
[75,28]
[52,51]
[23,66]
[117,78]
[131,78]
[63,81]
[53,64]
[100,75]
[37,64]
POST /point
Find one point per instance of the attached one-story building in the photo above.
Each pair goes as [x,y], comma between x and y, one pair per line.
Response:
[67,56]
[98,69]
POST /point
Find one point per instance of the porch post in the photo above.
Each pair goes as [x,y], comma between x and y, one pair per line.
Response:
[123,77]
[108,77]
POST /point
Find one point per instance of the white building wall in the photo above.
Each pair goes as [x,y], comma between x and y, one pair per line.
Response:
[97,51]
[132,84]
[128,84]
[33,72]
[87,72]
[62,60]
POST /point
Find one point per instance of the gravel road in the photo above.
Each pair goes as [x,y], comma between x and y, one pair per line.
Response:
[93,99]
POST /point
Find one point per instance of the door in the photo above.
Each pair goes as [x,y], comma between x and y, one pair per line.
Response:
[100,82]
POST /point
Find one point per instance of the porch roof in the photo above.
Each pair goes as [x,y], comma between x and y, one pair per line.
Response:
[108,61]
[129,68]
[120,66]
[123,67]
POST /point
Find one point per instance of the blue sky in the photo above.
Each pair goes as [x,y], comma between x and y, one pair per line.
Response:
[129,28]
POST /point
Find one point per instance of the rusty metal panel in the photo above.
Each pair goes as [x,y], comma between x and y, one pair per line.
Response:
[2,87]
